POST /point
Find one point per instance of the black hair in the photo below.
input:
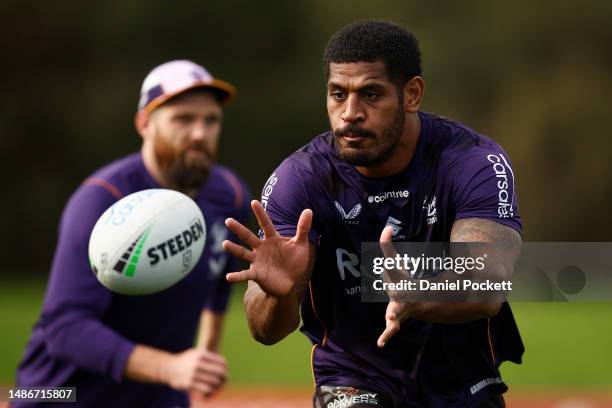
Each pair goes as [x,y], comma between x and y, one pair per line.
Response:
[376,40]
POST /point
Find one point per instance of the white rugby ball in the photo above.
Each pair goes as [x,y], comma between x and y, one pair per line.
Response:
[147,241]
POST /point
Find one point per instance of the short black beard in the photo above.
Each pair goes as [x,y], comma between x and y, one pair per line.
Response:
[390,138]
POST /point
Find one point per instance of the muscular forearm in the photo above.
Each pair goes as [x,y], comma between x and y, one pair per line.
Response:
[270,318]
[147,364]
[452,313]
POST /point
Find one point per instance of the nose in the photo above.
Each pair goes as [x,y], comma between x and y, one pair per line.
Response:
[353,111]
[199,131]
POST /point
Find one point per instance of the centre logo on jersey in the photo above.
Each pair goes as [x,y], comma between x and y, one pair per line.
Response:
[388,194]
[350,217]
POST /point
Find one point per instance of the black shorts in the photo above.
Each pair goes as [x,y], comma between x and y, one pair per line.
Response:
[350,397]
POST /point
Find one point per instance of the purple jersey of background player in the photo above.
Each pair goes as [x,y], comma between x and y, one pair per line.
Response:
[455,173]
[78,312]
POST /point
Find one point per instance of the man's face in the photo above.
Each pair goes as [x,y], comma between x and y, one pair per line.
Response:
[185,136]
[365,111]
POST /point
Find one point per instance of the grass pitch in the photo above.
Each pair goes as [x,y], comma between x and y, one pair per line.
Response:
[569,345]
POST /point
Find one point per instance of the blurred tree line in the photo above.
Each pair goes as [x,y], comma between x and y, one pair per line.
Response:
[535,76]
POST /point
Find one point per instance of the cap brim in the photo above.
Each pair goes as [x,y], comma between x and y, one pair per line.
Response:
[228,93]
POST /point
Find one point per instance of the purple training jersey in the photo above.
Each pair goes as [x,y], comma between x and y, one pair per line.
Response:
[454,174]
[85,332]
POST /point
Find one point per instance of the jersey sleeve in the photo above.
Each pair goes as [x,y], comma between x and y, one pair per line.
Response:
[483,186]
[285,195]
[75,301]
[220,263]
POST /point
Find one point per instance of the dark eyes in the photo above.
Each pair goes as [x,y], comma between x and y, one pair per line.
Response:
[337,95]
[211,120]
[184,119]
[367,95]
[371,96]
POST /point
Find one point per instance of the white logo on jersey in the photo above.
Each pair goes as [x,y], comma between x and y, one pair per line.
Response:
[395,224]
[347,261]
[505,203]
[351,214]
[388,194]
[218,257]
[432,211]
[484,383]
[267,190]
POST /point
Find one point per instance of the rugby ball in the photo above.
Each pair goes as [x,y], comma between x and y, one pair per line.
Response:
[147,241]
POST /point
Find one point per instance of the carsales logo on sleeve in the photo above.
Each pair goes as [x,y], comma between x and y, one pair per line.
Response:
[505,180]
[267,190]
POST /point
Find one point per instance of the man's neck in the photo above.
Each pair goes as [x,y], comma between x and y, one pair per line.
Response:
[152,167]
[403,153]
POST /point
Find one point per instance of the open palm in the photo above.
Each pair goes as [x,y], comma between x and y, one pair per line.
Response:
[277,264]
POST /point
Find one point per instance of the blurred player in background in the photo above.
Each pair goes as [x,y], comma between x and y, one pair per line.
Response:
[386,171]
[137,351]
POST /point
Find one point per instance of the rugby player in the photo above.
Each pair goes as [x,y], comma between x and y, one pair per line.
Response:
[138,351]
[385,171]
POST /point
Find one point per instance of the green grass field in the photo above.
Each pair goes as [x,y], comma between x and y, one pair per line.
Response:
[569,345]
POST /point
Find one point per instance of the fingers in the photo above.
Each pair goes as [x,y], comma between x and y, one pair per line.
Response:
[241,276]
[393,326]
[238,251]
[387,234]
[303,226]
[209,379]
[396,313]
[214,358]
[265,223]
[386,245]
[203,388]
[211,372]
[242,232]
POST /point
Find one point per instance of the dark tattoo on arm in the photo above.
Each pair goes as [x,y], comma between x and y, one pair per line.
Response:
[481,230]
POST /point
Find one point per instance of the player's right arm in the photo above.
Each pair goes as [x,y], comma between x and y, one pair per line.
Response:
[279,271]
[281,262]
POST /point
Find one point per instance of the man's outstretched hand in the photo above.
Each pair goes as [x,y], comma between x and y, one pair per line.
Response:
[397,312]
[278,264]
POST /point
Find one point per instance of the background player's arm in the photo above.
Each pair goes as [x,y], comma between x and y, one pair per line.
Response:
[192,369]
[74,327]
[211,326]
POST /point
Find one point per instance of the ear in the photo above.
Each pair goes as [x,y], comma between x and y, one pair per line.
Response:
[413,94]
[142,122]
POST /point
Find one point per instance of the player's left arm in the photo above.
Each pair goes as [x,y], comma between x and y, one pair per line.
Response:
[483,193]
[463,230]
[472,230]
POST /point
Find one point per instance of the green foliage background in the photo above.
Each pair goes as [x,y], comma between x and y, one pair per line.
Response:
[532,75]
[535,76]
